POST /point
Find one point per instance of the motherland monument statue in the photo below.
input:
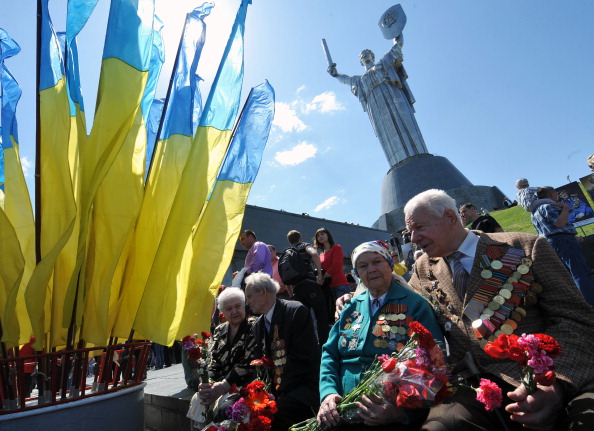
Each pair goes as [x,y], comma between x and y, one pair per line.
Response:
[386,97]
[385,94]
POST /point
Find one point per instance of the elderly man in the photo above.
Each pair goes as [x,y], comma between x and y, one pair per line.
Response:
[467,276]
[285,332]
[485,222]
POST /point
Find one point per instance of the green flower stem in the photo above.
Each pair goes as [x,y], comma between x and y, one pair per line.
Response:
[365,387]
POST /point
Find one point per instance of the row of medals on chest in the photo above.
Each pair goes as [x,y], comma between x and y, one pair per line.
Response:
[496,301]
[388,325]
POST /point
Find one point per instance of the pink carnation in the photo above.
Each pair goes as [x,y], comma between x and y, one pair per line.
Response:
[489,394]
[529,342]
[540,362]
[383,358]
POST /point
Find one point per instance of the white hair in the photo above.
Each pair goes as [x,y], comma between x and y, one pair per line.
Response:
[230,293]
[436,201]
[261,279]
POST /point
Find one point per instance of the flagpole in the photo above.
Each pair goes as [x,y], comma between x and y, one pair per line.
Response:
[38,140]
[166,102]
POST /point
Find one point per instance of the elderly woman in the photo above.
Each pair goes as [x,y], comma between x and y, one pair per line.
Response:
[232,350]
[356,340]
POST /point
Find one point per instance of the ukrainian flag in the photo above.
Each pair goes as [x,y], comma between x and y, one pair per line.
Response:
[62,130]
[216,236]
[160,310]
[17,207]
[168,161]
[124,76]
[115,211]
[11,270]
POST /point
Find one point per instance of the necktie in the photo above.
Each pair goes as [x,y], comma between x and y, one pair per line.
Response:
[459,275]
[375,305]
[267,324]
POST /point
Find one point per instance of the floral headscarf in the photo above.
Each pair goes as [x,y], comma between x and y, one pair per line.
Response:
[379,247]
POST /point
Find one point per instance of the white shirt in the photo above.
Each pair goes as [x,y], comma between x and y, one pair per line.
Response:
[468,247]
[381,302]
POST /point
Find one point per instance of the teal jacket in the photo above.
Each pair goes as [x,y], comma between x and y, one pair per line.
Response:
[351,349]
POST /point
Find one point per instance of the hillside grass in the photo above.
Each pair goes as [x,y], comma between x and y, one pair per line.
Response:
[516,219]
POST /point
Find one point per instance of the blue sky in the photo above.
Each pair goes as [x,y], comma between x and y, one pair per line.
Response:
[504,90]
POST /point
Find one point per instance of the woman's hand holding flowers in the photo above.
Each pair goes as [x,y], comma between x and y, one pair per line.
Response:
[328,414]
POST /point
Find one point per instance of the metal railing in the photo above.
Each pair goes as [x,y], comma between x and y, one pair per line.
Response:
[70,375]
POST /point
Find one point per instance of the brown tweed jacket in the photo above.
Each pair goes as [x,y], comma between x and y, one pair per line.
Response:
[560,311]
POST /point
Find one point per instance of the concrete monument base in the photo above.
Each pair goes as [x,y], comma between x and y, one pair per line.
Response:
[423,172]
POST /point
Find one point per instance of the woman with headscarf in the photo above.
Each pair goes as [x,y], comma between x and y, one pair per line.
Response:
[372,324]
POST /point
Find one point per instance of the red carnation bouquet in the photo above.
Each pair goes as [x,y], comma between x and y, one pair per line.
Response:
[534,353]
[199,351]
[255,409]
[414,377]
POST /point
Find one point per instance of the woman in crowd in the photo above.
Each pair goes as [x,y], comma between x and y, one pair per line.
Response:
[332,259]
[356,339]
[232,351]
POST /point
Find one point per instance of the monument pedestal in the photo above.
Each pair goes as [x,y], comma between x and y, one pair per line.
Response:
[423,172]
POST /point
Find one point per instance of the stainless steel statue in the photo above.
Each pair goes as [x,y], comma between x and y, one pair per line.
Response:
[384,93]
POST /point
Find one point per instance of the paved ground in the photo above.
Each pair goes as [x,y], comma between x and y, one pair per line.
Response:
[168,382]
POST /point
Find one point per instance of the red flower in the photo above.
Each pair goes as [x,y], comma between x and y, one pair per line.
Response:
[389,365]
[391,391]
[233,388]
[194,354]
[259,423]
[545,379]
[549,345]
[489,394]
[257,363]
[507,347]
[211,428]
[205,335]
[409,397]
[426,338]
[268,362]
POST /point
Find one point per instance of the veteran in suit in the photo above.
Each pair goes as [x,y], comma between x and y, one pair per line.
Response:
[285,333]
[482,285]
[374,323]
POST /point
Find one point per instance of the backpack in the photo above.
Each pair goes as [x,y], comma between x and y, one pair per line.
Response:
[293,267]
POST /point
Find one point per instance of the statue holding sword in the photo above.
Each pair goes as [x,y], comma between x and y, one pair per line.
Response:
[384,93]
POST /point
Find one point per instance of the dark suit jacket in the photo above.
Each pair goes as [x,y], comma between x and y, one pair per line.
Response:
[560,312]
[293,346]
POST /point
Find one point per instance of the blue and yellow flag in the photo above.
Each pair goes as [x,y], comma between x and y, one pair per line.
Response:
[214,240]
[168,161]
[16,326]
[11,270]
[118,200]
[161,308]
[62,130]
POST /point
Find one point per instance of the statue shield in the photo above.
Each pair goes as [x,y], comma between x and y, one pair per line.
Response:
[392,22]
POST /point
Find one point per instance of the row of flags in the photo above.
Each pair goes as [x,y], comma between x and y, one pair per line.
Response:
[138,220]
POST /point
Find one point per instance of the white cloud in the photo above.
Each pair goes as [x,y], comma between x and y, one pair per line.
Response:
[325,102]
[26,164]
[296,155]
[328,203]
[286,118]
[300,89]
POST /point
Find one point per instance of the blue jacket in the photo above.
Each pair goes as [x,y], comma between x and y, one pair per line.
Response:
[350,350]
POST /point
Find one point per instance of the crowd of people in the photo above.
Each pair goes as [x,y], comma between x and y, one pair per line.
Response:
[322,330]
